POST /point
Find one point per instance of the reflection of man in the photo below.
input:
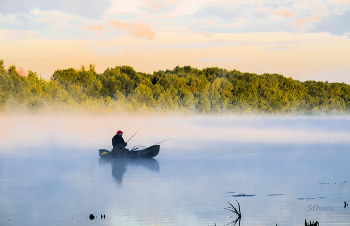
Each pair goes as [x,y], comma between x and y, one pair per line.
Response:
[119,144]
[119,166]
[118,169]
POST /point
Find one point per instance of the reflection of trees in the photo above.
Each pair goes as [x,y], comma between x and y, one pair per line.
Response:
[119,166]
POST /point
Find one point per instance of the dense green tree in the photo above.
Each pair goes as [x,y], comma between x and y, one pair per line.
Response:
[211,90]
[2,67]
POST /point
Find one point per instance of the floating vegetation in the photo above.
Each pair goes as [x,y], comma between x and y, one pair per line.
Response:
[92,217]
[304,198]
[344,182]
[275,194]
[329,183]
[237,212]
[242,195]
[312,224]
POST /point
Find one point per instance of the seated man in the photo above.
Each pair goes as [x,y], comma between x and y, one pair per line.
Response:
[119,144]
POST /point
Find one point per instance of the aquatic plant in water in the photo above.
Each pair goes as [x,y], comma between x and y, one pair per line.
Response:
[237,212]
[312,224]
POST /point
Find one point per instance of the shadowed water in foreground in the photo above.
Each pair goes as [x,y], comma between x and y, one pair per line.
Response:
[190,182]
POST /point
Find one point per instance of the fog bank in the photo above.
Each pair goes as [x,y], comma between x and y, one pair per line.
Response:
[94,132]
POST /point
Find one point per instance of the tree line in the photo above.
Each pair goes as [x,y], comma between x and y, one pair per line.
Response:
[186,89]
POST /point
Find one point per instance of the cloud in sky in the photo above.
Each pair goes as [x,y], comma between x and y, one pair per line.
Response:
[93,9]
[301,24]
[204,59]
[22,35]
[334,24]
[182,32]
[159,6]
[221,12]
[93,28]
[278,48]
[285,13]
[52,15]
[213,16]
[138,30]
[342,2]
[311,55]
[207,34]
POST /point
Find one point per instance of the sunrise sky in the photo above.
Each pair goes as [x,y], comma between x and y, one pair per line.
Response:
[305,40]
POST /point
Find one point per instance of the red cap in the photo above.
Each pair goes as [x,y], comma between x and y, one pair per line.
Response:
[120,132]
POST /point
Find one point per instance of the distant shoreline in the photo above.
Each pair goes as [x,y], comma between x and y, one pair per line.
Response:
[183,90]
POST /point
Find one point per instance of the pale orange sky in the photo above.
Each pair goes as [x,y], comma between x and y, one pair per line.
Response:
[299,39]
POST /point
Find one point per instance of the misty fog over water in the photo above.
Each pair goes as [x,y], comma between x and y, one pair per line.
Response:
[86,131]
[282,170]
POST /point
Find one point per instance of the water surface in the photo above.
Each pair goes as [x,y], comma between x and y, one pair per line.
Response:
[191,181]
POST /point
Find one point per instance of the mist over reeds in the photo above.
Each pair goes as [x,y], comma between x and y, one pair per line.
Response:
[183,90]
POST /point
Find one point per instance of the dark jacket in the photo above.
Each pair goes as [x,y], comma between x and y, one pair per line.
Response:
[118,142]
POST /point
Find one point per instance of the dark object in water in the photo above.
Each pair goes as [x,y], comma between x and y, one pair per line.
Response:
[304,198]
[243,195]
[104,216]
[120,165]
[91,217]
[345,204]
[101,216]
[149,152]
[237,212]
[312,224]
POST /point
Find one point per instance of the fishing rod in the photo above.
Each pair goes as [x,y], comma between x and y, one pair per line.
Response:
[151,145]
[134,134]
[162,141]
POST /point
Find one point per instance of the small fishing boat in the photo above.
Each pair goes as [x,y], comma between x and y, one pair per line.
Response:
[135,153]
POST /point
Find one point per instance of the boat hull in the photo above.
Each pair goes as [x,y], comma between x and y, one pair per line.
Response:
[149,152]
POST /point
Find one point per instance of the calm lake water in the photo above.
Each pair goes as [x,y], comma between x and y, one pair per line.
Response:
[281,171]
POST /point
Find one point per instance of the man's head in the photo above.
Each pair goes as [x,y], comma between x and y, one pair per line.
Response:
[120,133]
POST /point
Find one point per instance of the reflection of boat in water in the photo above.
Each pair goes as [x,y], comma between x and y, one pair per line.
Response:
[119,165]
[135,153]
